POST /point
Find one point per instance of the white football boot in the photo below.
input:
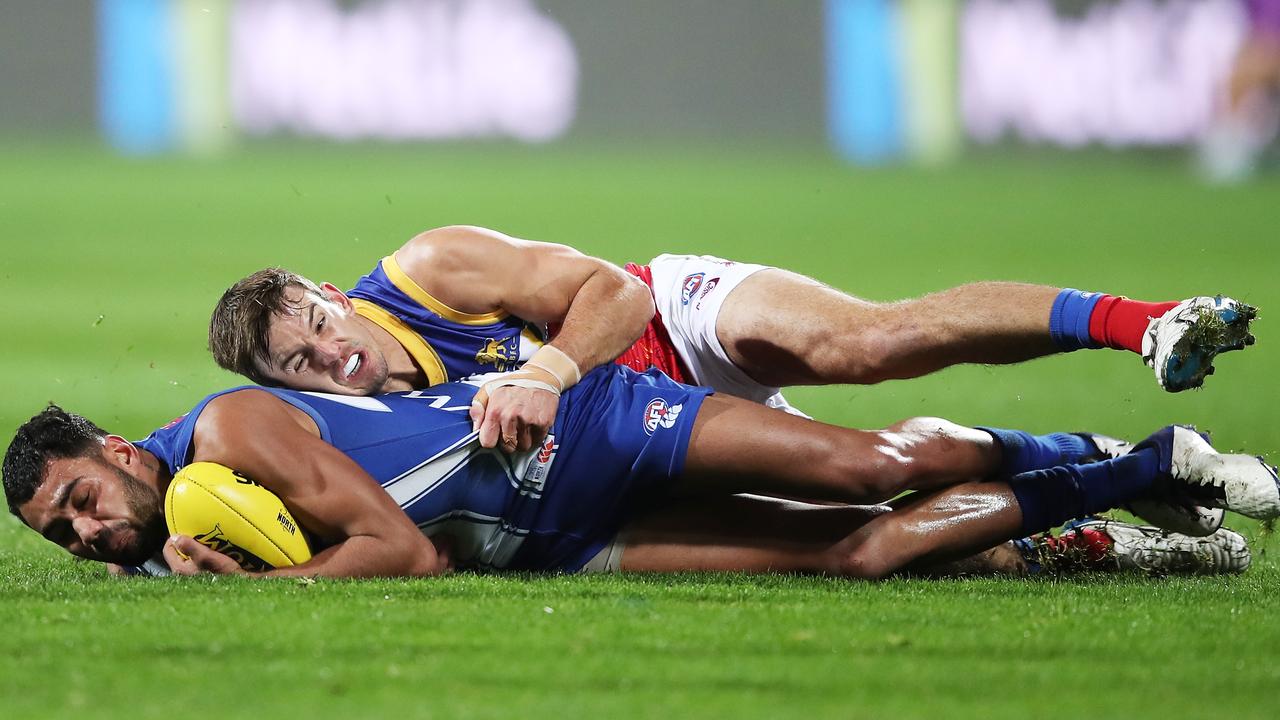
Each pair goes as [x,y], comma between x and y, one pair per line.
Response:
[1181,344]
[1192,469]
[1152,550]
[1175,514]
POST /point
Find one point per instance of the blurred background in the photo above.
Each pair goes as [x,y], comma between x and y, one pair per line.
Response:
[154,151]
[881,80]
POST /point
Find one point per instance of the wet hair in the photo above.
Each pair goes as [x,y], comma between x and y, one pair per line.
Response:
[242,318]
[54,434]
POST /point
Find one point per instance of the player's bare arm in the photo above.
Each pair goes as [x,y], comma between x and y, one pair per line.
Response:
[366,533]
[600,308]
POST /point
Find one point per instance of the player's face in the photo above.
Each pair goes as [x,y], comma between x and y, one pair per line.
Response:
[97,510]
[319,344]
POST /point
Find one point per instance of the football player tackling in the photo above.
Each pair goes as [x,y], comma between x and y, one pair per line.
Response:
[458,302]
[638,473]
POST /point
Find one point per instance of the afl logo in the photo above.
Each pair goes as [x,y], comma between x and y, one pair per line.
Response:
[659,414]
[691,285]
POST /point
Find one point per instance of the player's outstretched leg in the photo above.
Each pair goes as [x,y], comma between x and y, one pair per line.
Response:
[738,446]
[741,447]
[1174,461]
[785,329]
[752,534]
[941,534]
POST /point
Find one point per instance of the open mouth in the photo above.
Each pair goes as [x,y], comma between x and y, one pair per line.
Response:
[353,365]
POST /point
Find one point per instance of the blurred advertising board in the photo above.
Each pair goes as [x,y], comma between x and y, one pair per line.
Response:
[883,79]
[919,77]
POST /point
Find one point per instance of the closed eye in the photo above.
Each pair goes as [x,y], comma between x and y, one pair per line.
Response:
[81,498]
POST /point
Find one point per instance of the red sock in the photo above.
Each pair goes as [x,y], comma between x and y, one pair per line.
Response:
[1118,322]
[1075,550]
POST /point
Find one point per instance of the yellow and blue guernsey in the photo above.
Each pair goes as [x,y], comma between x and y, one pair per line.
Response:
[447,344]
[618,441]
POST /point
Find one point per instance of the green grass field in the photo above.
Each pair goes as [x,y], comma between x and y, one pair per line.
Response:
[111,266]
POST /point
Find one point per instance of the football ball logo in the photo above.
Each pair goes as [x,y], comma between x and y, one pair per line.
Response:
[659,414]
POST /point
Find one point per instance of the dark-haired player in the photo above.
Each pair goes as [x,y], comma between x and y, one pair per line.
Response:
[639,473]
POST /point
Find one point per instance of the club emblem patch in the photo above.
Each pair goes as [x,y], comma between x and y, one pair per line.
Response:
[500,353]
[691,285]
[658,413]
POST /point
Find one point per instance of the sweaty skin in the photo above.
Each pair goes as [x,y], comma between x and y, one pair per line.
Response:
[96,509]
[279,446]
[364,533]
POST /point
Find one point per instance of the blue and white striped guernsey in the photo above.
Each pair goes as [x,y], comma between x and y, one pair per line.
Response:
[619,439]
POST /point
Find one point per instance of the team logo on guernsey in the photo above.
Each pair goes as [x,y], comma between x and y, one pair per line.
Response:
[540,466]
[691,285]
[660,414]
[499,353]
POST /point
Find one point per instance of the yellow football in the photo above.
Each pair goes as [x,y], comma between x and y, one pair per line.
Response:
[234,515]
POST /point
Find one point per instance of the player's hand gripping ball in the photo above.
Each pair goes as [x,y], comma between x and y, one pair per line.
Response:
[234,515]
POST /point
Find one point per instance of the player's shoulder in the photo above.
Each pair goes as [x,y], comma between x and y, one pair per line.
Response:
[242,409]
[245,396]
[452,248]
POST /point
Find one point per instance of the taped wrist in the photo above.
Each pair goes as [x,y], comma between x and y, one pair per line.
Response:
[554,362]
[534,378]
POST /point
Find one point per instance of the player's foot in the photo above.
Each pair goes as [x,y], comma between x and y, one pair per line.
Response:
[1178,514]
[1155,551]
[1193,471]
[1181,344]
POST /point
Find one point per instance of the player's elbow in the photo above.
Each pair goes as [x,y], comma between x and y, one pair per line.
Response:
[423,567]
[422,559]
[639,300]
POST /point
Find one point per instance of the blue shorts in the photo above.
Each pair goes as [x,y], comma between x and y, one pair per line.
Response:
[621,438]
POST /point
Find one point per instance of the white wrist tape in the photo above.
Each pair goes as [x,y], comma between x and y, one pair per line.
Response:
[492,385]
[560,366]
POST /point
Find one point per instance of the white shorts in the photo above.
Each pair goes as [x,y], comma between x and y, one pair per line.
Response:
[689,291]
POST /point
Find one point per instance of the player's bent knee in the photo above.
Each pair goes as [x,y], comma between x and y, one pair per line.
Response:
[862,565]
[883,553]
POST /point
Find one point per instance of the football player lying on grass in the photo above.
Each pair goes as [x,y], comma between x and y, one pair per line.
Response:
[639,473]
[460,301]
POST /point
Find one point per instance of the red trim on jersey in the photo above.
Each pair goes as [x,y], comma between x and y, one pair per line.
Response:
[654,348]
